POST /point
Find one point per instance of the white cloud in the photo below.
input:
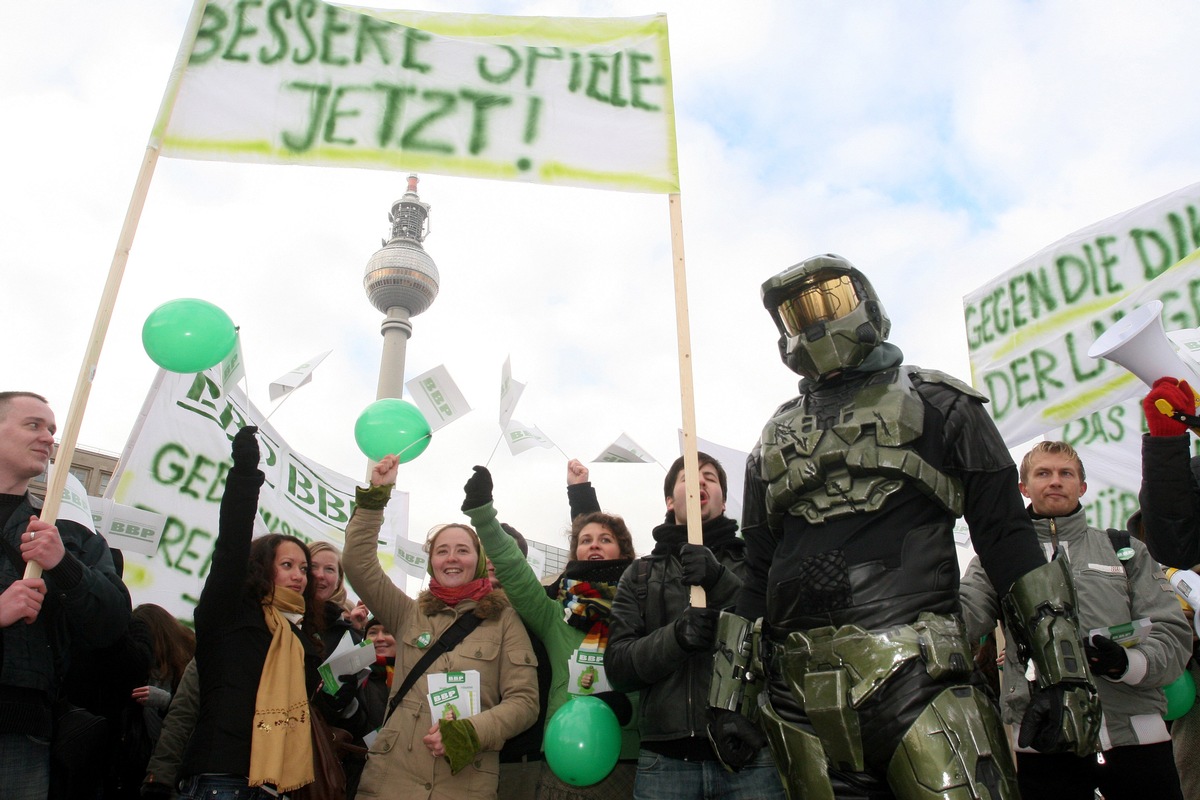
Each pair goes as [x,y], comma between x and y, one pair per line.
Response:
[934,144]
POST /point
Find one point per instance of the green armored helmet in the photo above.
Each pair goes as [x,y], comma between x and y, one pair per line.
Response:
[828,315]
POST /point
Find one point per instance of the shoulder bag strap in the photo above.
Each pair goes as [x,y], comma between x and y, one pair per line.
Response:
[445,643]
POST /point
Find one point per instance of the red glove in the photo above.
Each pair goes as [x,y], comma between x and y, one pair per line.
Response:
[1179,395]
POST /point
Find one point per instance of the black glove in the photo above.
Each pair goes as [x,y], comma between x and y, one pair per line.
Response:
[1041,727]
[245,450]
[478,489]
[619,704]
[1105,657]
[696,629]
[735,739]
[700,566]
[335,705]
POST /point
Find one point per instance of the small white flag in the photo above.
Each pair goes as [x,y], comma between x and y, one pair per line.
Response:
[1187,341]
[521,437]
[438,397]
[231,369]
[296,378]
[411,557]
[624,451]
[510,393]
[127,528]
[537,562]
[75,505]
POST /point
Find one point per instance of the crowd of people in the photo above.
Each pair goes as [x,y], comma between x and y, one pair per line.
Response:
[836,654]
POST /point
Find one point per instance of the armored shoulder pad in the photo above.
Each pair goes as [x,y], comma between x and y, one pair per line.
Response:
[935,376]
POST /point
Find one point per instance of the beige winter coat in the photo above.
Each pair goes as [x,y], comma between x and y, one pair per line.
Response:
[399,764]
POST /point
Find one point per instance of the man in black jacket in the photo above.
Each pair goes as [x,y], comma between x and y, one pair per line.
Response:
[79,600]
[662,646]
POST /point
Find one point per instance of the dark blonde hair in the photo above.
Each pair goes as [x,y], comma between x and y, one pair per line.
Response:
[339,594]
[1051,449]
[612,522]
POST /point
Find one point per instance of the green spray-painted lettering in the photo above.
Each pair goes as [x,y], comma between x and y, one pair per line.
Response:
[290,31]
[1100,427]
[195,476]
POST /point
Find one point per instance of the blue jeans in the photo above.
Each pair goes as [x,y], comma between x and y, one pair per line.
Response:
[662,778]
[24,767]
[221,787]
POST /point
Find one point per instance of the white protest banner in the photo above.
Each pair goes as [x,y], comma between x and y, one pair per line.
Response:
[175,464]
[522,437]
[286,384]
[438,397]
[1029,330]
[1109,443]
[128,529]
[510,393]
[624,451]
[572,101]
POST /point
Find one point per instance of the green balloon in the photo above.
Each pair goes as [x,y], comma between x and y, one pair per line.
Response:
[1181,695]
[583,741]
[188,335]
[392,427]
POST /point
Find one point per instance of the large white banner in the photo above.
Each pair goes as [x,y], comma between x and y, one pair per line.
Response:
[1029,330]
[574,101]
[175,464]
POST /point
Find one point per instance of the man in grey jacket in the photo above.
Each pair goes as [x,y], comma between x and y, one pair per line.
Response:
[1117,583]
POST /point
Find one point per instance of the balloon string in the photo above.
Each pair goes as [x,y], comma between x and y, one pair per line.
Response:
[424,438]
[488,463]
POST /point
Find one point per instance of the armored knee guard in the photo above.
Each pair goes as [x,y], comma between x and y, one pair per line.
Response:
[954,750]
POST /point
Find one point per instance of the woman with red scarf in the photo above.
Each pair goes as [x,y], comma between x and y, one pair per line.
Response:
[413,755]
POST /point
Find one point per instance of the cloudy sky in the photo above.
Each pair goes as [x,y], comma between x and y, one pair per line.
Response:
[934,144]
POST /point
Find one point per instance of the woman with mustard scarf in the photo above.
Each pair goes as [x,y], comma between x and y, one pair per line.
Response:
[257,669]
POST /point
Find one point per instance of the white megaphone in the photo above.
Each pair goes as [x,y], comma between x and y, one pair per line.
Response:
[1138,343]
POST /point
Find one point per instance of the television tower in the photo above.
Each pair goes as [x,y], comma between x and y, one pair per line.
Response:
[401,280]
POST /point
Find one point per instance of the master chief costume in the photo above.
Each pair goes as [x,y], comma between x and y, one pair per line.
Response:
[851,497]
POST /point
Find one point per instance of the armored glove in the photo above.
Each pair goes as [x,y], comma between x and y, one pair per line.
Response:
[478,489]
[1055,721]
[1179,395]
[245,450]
[1106,658]
[696,629]
[700,566]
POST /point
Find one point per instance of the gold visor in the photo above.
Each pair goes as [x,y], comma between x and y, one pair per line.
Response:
[821,300]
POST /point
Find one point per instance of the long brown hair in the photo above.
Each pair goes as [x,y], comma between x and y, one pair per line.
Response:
[260,578]
[174,643]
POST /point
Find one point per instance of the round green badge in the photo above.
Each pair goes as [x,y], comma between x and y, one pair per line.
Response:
[422,641]
[1125,553]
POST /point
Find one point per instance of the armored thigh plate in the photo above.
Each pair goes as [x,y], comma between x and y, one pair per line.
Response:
[954,750]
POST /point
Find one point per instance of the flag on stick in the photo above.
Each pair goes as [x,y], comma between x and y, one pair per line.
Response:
[510,393]
[521,437]
[286,384]
[438,397]
[624,451]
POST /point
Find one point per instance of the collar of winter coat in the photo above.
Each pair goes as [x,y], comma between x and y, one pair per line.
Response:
[719,534]
[490,606]
[1064,525]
